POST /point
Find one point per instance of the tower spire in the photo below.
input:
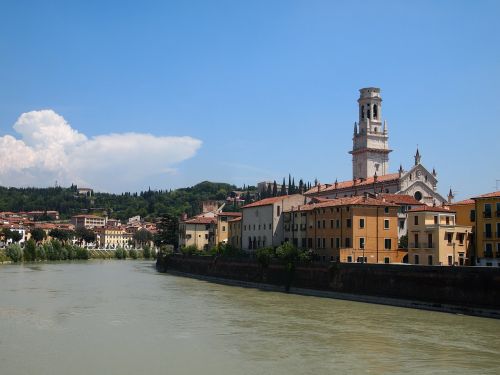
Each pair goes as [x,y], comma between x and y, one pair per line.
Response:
[355,128]
[417,157]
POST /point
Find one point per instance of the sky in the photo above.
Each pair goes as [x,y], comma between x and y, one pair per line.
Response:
[126,95]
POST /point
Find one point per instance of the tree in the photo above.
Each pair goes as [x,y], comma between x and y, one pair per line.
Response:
[85,235]
[30,251]
[14,252]
[16,236]
[61,234]
[283,187]
[143,236]
[38,234]
[275,189]
[403,242]
[168,231]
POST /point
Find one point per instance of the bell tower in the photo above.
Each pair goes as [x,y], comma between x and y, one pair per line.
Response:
[370,152]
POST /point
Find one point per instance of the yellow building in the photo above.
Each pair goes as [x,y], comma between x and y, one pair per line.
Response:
[487,236]
[198,231]
[222,229]
[435,238]
[112,237]
[234,233]
[354,229]
[465,212]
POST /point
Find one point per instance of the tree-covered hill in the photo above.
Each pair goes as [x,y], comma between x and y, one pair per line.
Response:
[150,203]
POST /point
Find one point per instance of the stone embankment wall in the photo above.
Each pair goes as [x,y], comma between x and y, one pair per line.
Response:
[475,287]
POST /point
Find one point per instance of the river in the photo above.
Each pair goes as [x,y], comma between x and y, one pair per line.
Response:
[122,317]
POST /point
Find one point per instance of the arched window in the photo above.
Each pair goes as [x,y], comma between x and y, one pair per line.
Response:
[368,113]
[375,111]
[362,111]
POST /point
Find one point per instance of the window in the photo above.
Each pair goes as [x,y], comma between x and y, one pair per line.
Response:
[447,220]
[386,210]
[416,259]
[361,243]
[319,224]
[435,219]
[450,260]
[223,228]
[206,236]
[318,243]
[487,210]
[387,260]
[388,244]
[375,111]
[244,227]
[429,260]
[278,210]
[361,223]
[337,224]
[348,223]
[386,224]
[449,237]
[310,242]
[324,224]
[416,240]
[303,243]
[331,223]
[487,230]
[349,259]
[401,224]
[460,237]
[347,242]
[361,260]
[337,243]
[324,243]
[415,218]
[488,250]
[259,226]
[331,243]
[472,215]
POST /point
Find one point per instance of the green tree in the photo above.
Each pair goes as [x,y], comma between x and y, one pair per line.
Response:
[168,231]
[143,236]
[38,234]
[14,252]
[16,236]
[61,234]
[85,235]
[146,252]
[403,242]
[133,253]
[30,251]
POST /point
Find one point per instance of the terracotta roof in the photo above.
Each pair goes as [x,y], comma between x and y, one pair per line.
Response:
[431,209]
[464,202]
[495,194]
[401,199]
[351,183]
[234,214]
[234,220]
[90,216]
[201,220]
[348,201]
[267,201]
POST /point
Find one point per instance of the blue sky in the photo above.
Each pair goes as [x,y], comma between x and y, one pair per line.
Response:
[259,88]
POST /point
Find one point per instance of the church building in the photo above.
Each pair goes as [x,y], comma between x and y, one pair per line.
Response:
[370,161]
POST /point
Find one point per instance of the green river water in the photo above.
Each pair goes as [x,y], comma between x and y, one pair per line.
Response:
[122,317]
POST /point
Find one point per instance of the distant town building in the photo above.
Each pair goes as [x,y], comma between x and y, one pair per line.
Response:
[88,221]
[487,233]
[234,234]
[435,238]
[222,228]
[112,237]
[85,191]
[263,221]
[198,231]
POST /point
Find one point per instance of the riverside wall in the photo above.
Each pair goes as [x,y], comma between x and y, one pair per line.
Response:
[465,287]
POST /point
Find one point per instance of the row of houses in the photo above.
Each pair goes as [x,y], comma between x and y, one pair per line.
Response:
[386,228]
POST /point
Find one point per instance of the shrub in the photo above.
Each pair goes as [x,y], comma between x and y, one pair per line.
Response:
[30,251]
[120,253]
[133,253]
[287,252]
[146,252]
[264,256]
[81,253]
[40,253]
[14,252]
[189,250]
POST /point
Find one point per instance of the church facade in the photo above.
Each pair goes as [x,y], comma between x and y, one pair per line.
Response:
[370,161]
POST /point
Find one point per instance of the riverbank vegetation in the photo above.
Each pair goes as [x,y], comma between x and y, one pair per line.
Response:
[56,250]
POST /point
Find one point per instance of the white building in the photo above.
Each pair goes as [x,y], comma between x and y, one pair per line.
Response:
[262,221]
[370,161]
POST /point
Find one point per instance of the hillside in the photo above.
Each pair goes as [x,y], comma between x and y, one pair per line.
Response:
[150,203]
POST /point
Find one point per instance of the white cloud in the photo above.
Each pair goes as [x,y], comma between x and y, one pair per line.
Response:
[49,149]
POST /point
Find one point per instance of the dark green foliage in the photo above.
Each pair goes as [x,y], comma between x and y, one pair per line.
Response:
[30,251]
[149,204]
[14,252]
[264,256]
[133,253]
[143,236]
[225,251]
[168,231]
[189,250]
[120,253]
[61,234]
[15,236]
[38,234]
[146,252]
[84,234]
[403,242]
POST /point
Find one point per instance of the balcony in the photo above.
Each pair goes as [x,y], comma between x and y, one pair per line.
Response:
[487,214]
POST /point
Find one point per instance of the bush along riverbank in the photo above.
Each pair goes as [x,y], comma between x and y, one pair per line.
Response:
[54,250]
[465,290]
